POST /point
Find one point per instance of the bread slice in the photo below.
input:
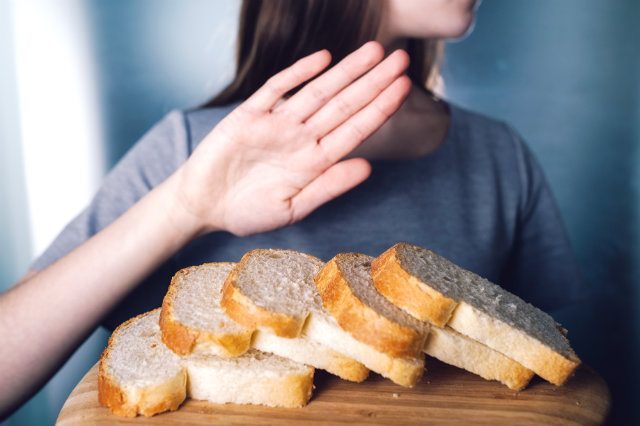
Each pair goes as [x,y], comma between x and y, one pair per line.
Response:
[404,371]
[453,348]
[434,289]
[192,320]
[138,374]
[305,350]
[274,291]
[349,295]
[252,378]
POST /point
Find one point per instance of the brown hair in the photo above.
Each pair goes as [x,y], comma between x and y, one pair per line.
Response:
[273,34]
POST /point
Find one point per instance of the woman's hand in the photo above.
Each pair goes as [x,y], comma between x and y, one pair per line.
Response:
[273,161]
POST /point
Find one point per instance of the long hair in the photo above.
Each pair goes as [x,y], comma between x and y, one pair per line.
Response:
[273,34]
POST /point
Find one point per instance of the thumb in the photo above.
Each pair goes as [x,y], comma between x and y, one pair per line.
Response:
[335,181]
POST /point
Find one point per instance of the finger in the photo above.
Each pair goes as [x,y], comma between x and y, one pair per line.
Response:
[359,94]
[335,181]
[354,131]
[315,94]
[277,86]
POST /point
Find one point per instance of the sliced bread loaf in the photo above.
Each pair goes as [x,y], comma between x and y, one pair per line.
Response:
[436,290]
[138,374]
[274,291]
[192,320]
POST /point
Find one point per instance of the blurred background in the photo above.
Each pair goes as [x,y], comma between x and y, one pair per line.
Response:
[81,81]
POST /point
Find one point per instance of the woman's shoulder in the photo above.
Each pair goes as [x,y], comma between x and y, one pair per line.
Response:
[482,135]
[476,125]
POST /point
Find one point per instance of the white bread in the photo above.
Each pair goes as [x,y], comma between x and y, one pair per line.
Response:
[433,289]
[348,295]
[252,378]
[192,320]
[404,371]
[274,291]
[138,374]
[453,348]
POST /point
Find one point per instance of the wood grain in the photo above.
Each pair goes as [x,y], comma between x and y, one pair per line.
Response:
[446,395]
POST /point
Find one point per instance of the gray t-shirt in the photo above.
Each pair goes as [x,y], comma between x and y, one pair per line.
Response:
[480,200]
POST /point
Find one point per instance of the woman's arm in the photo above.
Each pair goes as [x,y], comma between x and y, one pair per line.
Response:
[266,165]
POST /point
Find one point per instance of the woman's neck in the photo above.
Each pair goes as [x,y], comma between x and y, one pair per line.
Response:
[417,129]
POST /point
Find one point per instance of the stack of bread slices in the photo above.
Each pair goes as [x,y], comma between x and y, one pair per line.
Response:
[253,332]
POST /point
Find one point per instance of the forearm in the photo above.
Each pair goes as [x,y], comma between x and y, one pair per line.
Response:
[43,319]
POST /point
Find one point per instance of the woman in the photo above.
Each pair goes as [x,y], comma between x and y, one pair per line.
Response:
[300,160]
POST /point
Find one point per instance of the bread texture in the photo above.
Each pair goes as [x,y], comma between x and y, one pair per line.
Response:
[192,321]
[270,290]
[434,289]
[348,294]
[453,348]
[310,351]
[252,378]
[138,374]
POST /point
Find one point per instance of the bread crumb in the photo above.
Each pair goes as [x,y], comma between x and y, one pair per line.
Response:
[153,345]
[395,395]
[578,403]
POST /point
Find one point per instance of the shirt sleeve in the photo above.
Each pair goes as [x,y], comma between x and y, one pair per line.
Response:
[542,268]
[147,164]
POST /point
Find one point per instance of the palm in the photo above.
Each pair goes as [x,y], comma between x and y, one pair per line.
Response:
[266,166]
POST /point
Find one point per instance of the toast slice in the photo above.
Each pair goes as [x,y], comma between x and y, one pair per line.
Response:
[274,291]
[192,320]
[138,374]
[434,289]
[458,350]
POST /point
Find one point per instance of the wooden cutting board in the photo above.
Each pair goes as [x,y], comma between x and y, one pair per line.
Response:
[446,395]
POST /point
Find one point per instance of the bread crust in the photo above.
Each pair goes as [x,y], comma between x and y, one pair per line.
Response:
[168,395]
[242,309]
[298,391]
[407,292]
[182,339]
[361,321]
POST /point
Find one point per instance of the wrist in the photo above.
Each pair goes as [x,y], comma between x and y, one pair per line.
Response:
[180,214]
